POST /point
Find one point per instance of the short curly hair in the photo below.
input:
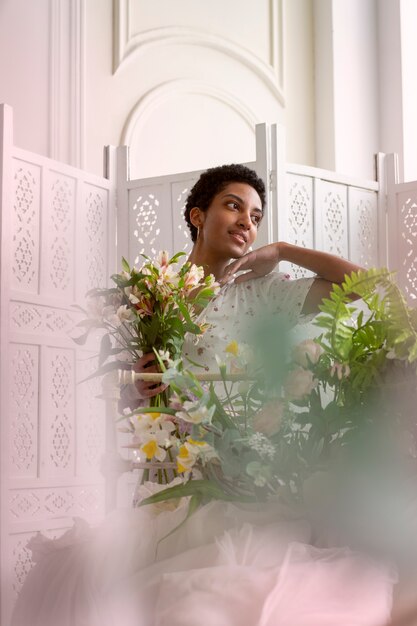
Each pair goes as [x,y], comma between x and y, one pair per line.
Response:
[213,181]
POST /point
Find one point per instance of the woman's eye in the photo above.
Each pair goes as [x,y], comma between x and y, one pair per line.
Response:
[256,220]
[233,205]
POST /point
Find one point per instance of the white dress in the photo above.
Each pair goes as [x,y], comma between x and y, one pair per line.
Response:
[227,565]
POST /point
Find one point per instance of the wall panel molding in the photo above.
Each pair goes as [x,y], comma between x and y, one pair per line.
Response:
[172,89]
[127,45]
[66,82]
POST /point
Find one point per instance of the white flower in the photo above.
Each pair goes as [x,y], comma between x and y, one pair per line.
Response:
[154,444]
[306,352]
[166,357]
[300,383]
[195,412]
[262,446]
[260,481]
[191,451]
[124,313]
[151,422]
[194,275]
[133,299]
[95,306]
[110,315]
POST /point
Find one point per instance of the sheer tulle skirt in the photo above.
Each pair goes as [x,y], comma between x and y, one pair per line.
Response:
[226,565]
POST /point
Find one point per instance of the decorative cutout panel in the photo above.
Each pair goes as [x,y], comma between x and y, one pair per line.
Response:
[58,251]
[408,244]
[57,230]
[182,236]
[91,417]
[331,209]
[147,228]
[363,227]
[58,428]
[33,318]
[300,218]
[91,242]
[34,505]
[21,558]
[150,221]
[23,406]
[96,214]
[25,225]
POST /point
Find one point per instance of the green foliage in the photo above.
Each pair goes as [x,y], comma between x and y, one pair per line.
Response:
[366,365]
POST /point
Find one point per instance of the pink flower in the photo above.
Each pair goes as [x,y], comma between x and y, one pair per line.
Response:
[144,306]
[162,259]
[300,383]
[307,351]
[341,370]
[268,419]
[194,275]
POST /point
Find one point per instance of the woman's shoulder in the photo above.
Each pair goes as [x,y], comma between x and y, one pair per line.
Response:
[277,292]
[279,282]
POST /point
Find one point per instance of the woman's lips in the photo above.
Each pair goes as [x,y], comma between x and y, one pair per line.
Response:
[238,238]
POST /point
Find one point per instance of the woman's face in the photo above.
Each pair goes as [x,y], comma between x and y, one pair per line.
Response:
[230,224]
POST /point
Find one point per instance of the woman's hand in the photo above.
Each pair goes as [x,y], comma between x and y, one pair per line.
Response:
[132,396]
[256,263]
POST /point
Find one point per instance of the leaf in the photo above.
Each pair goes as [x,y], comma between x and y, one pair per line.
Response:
[192,488]
[125,265]
[148,409]
[80,341]
[193,505]
[106,368]
[105,348]
[175,258]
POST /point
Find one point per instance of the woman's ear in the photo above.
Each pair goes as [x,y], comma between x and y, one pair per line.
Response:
[196,217]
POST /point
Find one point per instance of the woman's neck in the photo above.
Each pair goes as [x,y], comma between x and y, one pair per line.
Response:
[211,263]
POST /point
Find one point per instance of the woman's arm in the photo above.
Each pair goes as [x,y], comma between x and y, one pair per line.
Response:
[328,267]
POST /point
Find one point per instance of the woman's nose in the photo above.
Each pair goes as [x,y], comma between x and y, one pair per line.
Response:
[244,220]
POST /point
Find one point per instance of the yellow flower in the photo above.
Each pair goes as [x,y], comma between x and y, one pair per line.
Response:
[185,460]
[232,348]
[154,416]
[196,443]
[150,448]
[191,451]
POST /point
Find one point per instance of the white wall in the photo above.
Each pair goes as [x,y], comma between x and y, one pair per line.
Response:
[299,81]
[347,87]
[183,83]
[409,86]
[188,83]
[24,69]
[390,72]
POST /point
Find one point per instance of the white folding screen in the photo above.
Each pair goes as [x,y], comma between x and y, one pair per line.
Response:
[333,213]
[305,206]
[55,228]
[151,212]
[402,226]
[60,236]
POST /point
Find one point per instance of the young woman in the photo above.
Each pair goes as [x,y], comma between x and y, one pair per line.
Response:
[227,564]
[224,212]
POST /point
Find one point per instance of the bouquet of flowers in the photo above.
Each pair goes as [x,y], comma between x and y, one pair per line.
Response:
[148,310]
[255,441]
